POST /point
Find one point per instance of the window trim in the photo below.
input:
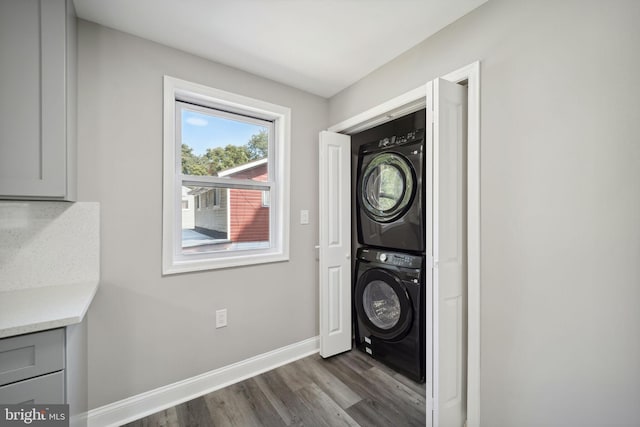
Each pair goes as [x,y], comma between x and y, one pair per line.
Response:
[279,168]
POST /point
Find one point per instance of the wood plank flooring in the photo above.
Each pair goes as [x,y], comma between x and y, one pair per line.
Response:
[349,389]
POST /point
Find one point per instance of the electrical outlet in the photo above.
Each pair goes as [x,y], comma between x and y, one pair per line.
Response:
[221,318]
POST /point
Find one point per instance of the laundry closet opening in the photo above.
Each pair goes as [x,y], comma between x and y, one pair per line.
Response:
[449,110]
[388,243]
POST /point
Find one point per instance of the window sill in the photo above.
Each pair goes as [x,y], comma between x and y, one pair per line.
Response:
[188,266]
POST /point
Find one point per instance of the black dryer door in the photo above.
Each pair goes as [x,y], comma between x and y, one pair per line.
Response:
[387,187]
[383,304]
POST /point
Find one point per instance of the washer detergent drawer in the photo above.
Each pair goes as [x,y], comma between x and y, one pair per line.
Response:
[31,355]
[46,389]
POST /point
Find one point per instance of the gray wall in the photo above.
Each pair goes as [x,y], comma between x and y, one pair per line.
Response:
[146,330]
[560,206]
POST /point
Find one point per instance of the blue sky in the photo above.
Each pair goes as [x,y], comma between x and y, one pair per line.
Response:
[202,131]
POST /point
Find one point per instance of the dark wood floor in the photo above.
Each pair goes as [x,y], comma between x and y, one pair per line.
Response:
[350,389]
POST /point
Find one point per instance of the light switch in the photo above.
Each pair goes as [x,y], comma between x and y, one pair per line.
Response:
[221,318]
[304,216]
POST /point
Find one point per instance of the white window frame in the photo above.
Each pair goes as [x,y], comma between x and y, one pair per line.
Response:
[173,260]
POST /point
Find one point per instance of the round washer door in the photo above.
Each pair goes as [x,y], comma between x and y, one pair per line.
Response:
[387,187]
[383,304]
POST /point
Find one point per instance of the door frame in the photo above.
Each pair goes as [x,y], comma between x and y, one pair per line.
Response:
[407,103]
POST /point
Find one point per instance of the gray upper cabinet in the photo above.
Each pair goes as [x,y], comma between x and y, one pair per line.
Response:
[37,106]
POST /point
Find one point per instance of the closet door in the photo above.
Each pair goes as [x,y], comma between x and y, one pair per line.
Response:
[446,375]
[335,243]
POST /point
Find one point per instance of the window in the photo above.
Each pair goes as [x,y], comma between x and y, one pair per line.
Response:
[212,196]
[216,197]
[265,199]
[229,155]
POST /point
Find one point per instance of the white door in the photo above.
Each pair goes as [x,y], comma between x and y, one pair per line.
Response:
[447,254]
[335,243]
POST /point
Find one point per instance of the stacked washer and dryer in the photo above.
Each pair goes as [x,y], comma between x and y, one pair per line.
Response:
[388,293]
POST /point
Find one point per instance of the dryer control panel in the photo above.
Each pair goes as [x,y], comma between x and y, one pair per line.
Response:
[397,259]
[414,135]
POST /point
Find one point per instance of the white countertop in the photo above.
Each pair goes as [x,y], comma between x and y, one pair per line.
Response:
[36,309]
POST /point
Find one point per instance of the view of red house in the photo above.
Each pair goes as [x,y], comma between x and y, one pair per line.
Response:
[231,214]
[249,209]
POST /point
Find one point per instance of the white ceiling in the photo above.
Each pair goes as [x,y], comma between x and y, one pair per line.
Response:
[320,46]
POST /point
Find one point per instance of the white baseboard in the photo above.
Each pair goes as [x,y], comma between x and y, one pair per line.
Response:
[147,403]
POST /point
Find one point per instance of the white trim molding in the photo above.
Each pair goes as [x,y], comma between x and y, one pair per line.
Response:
[150,402]
[471,74]
[399,106]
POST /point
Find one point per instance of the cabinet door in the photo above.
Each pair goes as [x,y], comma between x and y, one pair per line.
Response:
[30,355]
[44,390]
[33,105]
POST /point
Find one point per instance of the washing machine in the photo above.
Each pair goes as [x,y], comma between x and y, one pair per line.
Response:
[388,298]
[390,194]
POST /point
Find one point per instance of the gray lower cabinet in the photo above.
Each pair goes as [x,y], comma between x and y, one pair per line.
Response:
[44,390]
[32,368]
[48,367]
[37,106]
